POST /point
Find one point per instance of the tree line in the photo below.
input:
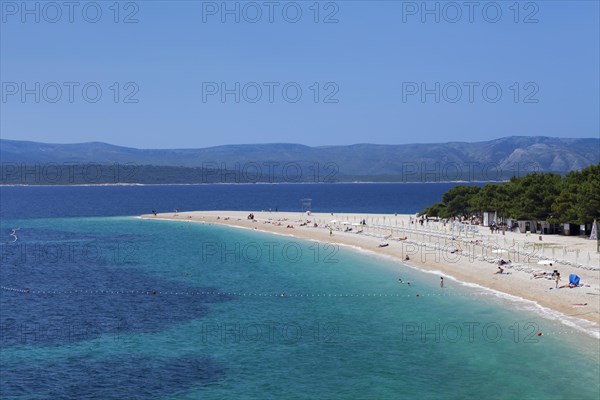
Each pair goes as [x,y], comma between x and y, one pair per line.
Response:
[573,198]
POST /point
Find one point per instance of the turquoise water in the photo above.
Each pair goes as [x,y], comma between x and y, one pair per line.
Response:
[242,314]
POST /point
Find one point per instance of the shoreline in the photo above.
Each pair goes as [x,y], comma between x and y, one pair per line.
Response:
[431,251]
[253,183]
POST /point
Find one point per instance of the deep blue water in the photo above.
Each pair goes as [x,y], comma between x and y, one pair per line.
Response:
[123,308]
[78,201]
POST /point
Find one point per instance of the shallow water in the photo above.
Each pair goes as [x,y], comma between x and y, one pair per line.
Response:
[230,313]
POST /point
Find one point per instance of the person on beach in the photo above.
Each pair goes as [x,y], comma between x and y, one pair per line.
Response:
[330,232]
[557,277]
[441,281]
[500,270]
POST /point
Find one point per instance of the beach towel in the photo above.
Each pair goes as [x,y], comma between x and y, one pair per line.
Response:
[574,279]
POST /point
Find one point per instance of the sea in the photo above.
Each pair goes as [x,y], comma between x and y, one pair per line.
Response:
[96,303]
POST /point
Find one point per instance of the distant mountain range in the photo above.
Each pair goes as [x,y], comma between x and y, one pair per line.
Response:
[489,160]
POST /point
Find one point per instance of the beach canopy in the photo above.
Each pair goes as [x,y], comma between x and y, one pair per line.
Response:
[574,279]
[333,221]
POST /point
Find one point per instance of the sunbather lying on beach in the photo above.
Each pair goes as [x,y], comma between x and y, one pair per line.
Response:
[384,245]
[570,286]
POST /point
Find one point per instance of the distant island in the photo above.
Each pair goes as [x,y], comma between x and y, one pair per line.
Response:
[33,163]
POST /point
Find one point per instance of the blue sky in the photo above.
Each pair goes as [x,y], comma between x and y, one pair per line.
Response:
[361,78]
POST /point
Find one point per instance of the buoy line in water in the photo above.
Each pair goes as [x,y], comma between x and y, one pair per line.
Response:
[281,294]
[239,294]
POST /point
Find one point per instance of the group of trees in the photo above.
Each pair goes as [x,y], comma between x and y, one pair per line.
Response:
[574,198]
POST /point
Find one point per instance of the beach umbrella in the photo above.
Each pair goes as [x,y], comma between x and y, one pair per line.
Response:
[594,233]
[545,262]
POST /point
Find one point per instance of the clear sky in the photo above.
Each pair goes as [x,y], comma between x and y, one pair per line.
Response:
[369,71]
